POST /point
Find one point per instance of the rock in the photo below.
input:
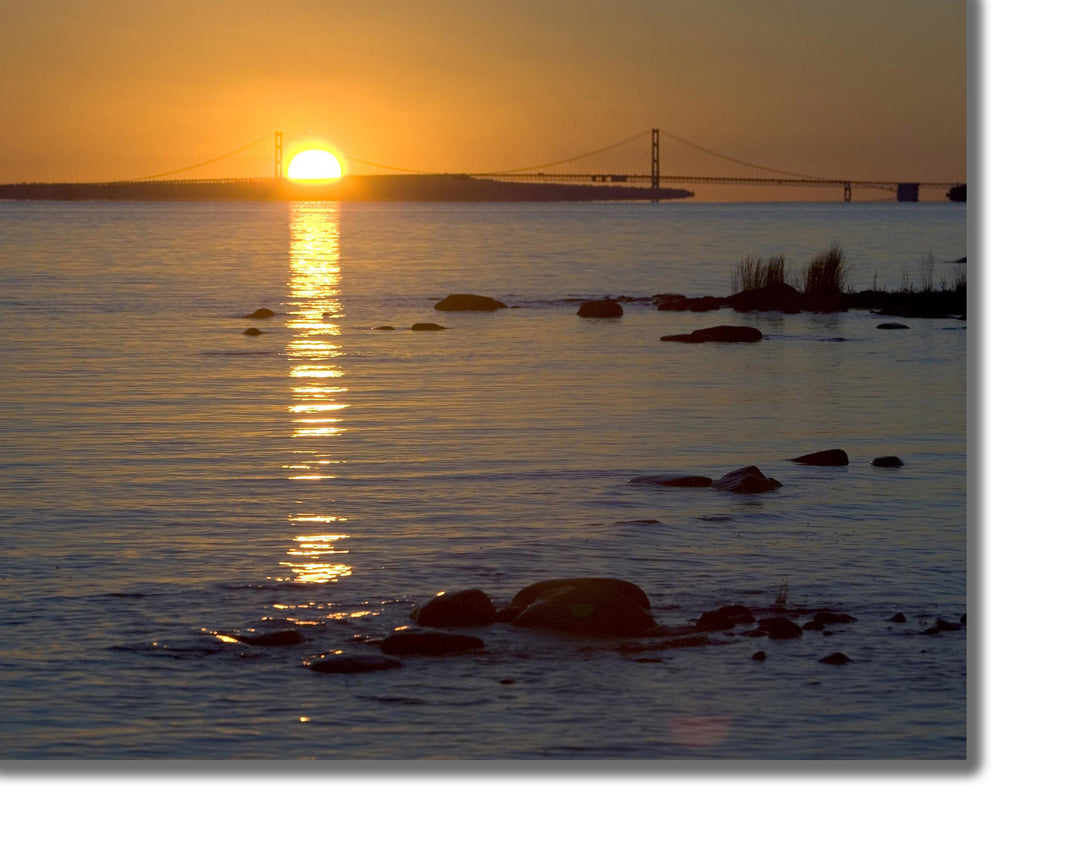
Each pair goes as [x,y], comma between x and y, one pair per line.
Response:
[942,625]
[758,655]
[383,327]
[725,618]
[610,585]
[779,296]
[832,457]
[673,480]
[607,308]
[892,325]
[836,658]
[598,607]
[899,617]
[424,325]
[469,303]
[262,312]
[421,641]
[747,480]
[679,303]
[779,628]
[889,462]
[457,609]
[351,664]
[663,644]
[720,333]
[253,331]
[288,637]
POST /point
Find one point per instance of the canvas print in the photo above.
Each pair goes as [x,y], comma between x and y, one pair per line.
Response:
[486,382]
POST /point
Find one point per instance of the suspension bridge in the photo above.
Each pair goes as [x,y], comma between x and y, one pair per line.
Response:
[653,159]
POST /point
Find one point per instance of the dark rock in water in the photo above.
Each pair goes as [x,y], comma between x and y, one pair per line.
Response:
[758,655]
[351,664]
[469,303]
[941,625]
[836,658]
[598,607]
[609,585]
[832,457]
[720,333]
[456,609]
[889,462]
[779,628]
[288,637]
[663,644]
[899,617]
[383,327]
[963,619]
[262,312]
[607,308]
[424,325]
[679,303]
[892,325]
[725,618]
[673,480]
[253,331]
[779,296]
[421,641]
[747,480]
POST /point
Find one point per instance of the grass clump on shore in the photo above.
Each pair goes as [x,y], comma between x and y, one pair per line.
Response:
[753,273]
[825,279]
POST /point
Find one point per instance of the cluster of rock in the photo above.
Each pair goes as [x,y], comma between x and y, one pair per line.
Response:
[592,607]
[751,480]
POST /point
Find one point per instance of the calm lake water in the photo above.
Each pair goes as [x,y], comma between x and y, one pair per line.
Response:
[169,481]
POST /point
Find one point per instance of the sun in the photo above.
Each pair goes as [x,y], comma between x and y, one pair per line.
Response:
[314,164]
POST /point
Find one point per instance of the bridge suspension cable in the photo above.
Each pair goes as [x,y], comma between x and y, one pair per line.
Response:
[739,161]
[605,149]
[240,149]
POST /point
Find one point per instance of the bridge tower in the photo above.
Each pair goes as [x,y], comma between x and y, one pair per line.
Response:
[656,165]
[278,146]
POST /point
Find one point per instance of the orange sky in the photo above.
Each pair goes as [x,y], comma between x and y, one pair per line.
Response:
[121,89]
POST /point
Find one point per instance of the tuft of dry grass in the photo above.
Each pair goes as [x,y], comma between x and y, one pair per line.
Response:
[752,272]
[826,275]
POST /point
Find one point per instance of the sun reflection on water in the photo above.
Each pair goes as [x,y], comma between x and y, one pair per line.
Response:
[318,388]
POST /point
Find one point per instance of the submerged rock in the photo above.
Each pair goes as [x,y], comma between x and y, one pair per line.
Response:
[469,303]
[673,480]
[456,609]
[747,480]
[253,331]
[352,664]
[892,325]
[836,658]
[889,462]
[426,325]
[832,457]
[421,641]
[607,308]
[287,637]
[261,312]
[720,333]
[383,327]
[598,607]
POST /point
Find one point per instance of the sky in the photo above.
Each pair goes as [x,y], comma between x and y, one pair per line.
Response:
[122,89]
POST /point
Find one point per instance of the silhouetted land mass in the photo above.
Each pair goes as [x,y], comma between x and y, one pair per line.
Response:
[437,187]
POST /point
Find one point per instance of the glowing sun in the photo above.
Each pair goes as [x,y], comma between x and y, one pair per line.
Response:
[314,164]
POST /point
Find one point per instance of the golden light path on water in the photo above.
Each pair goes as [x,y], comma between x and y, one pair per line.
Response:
[318,388]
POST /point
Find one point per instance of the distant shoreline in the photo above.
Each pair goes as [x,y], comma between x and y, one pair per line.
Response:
[437,187]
